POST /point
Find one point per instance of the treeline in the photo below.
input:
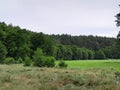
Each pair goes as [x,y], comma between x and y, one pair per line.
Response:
[90,42]
[67,52]
[20,43]
[109,47]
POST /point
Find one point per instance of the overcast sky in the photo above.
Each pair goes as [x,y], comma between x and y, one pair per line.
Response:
[75,17]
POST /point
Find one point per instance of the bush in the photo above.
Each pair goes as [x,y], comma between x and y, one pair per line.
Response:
[38,57]
[20,60]
[9,60]
[40,60]
[50,61]
[27,61]
[44,61]
[62,64]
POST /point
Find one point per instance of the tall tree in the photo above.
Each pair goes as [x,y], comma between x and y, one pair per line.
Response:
[118,19]
[118,23]
[118,36]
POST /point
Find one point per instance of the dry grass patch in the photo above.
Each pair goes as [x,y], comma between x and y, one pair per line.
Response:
[18,77]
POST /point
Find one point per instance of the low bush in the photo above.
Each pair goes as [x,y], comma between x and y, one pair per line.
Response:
[50,61]
[44,61]
[20,60]
[27,61]
[9,60]
[62,64]
[39,61]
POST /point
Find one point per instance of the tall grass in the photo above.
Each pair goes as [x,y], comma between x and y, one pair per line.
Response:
[17,77]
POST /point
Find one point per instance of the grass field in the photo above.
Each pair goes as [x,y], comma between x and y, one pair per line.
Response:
[80,75]
[89,64]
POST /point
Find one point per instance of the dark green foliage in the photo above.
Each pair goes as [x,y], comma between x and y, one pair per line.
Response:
[37,57]
[49,61]
[100,55]
[79,54]
[3,52]
[20,60]
[16,42]
[45,61]
[90,42]
[40,40]
[75,53]
[91,54]
[27,61]
[2,35]
[62,64]
[41,60]
[9,60]
[84,54]
[112,52]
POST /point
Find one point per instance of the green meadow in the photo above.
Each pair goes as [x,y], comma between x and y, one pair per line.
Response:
[89,64]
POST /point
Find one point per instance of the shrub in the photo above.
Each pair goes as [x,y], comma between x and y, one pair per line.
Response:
[20,60]
[44,61]
[27,61]
[38,57]
[9,60]
[50,61]
[40,60]
[62,64]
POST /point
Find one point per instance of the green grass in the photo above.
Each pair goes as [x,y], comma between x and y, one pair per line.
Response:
[90,64]
[80,75]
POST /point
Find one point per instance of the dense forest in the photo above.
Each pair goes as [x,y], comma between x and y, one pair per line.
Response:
[20,43]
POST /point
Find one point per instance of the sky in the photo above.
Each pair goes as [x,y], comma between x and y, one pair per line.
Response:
[75,17]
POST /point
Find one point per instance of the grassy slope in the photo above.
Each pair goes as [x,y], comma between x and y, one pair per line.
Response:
[17,77]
